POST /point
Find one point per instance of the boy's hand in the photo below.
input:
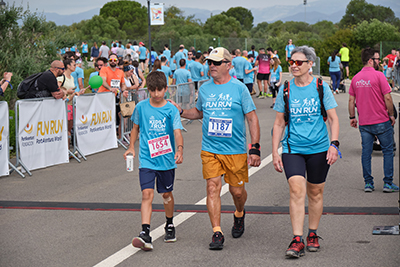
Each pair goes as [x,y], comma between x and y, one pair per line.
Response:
[130,150]
[178,157]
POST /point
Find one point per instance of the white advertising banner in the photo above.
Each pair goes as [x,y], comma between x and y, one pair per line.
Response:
[157,14]
[95,123]
[43,137]
[4,130]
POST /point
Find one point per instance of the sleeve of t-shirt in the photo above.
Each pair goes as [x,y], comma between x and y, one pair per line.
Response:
[81,74]
[189,75]
[199,104]
[135,116]
[329,100]
[287,48]
[174,76]
[247,101]
[177,120]
[279,103]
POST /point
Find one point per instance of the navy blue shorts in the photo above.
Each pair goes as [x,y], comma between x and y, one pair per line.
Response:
[165,179]
[316,166]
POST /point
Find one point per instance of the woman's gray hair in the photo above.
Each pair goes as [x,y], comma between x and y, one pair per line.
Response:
[308,51]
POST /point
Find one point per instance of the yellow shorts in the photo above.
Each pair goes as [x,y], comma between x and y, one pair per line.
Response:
[233,166]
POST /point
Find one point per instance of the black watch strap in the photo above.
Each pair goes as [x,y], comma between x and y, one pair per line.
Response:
[335,142]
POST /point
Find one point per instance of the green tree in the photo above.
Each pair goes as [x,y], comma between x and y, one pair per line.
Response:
[359,10]
[241,14]
[131,16]
[223,26]
[371,33]
[324,28]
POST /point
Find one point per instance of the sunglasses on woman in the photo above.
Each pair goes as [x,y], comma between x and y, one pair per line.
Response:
[297,62]
[216,63]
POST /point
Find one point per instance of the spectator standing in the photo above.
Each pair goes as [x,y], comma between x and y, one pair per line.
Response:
[94,52]
[104,50]
[344,54]
[390,71]
[334,71]
[85,50]
[79,76]
[263,63]
[370,90]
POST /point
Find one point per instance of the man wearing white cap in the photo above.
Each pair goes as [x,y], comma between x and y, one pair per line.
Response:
[224,103]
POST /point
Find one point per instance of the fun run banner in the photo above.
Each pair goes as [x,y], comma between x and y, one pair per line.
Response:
[95,122]
[4,130]
[43,138]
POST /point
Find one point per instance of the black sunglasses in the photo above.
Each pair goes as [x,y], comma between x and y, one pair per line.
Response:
[297,62]
[216,63]
[60,68]
[376,58]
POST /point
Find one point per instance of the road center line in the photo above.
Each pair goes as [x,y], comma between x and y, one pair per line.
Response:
[129,250]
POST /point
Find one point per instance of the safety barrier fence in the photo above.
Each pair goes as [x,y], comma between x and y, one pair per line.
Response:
[41,127]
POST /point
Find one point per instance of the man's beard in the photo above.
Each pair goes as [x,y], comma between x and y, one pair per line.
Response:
[376,66]
[113,65]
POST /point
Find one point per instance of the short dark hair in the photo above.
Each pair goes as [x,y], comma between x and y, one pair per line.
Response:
[101,59]
[135,63]
[253,47]
[156,81]
[270,49]
[198,55]
[367,54]
[104,42]
[166,46]
[113,54]
[182,62]
[67,61]
[163,59]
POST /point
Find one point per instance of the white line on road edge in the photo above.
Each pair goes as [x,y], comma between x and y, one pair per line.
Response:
[129,250]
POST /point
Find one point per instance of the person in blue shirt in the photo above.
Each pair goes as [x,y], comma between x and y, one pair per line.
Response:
[85,50]
[334,70]
[306,147]
[189,59]
[142,56]
[185,93]
[78,76]
[167,53]
[165,69]
[160,150]
[275,78]
[181,75]
[239,63]
[288,49]
[179,55]
[153,55]
[249,71]
[196,70]
[225,104]
[172,63]
[254,53]
[99,63]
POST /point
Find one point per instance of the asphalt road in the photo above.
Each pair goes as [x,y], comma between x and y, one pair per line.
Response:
[86,214]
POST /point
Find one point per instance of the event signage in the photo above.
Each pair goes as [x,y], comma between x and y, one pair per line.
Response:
[95,123]
[157,14]
[42,133]
[4,130]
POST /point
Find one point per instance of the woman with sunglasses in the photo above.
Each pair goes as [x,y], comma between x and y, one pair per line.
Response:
[334,71]
[306,147]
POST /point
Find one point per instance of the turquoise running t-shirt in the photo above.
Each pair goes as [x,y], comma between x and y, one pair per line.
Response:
[157,141]
[248,78]
[224,107]
[308,131]
[195,70]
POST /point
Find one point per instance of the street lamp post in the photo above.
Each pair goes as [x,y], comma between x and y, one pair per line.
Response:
[2,4]
[148,12]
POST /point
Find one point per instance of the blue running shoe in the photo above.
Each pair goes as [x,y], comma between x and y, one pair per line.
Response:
[389,188]
[369,188]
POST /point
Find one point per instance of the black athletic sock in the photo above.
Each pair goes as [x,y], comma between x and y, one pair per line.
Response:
[312,231]
[146,228]
[169,220]
[301,237]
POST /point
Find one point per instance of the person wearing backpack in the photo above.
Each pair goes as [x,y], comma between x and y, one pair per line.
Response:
[306,145]
[43,84]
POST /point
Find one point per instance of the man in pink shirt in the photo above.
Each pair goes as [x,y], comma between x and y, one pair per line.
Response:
[370,90]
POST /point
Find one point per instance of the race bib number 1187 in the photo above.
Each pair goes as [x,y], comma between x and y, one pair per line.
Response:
[220,127]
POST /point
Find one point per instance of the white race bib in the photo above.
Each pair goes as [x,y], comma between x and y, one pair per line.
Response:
[273,79]
[159,146]
[115,83]
[220,127]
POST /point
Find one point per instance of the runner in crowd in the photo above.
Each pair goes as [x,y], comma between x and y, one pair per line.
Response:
[239,63]
[306,147]
[249,74]
[164,68]
[275,78]
[288,49]
[196,70]
[158,123]
[224,140]
[263,63]
[79,76]
[143,52]
[345,58]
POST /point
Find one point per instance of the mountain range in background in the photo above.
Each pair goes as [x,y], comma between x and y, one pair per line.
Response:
[312,13]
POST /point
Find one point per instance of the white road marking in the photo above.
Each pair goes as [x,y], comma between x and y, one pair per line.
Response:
[129,250]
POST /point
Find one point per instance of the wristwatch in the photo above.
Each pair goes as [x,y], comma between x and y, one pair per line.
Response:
[352,117]
[336,143]
[256,146]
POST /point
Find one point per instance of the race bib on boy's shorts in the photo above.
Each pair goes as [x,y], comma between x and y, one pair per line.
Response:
[220,127]
[115,83]
[160,146]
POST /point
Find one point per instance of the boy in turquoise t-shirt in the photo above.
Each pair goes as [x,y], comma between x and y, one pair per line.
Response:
[158,122]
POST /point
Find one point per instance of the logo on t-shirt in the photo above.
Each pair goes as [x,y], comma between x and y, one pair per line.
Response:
[157,125]
[223,101]
[363,83]
[307,108]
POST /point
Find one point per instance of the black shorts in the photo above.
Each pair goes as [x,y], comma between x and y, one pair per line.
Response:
[345,64]
[316,166]
[250,87]
[142,60]
[84,54]
[241,80]
[262,76]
